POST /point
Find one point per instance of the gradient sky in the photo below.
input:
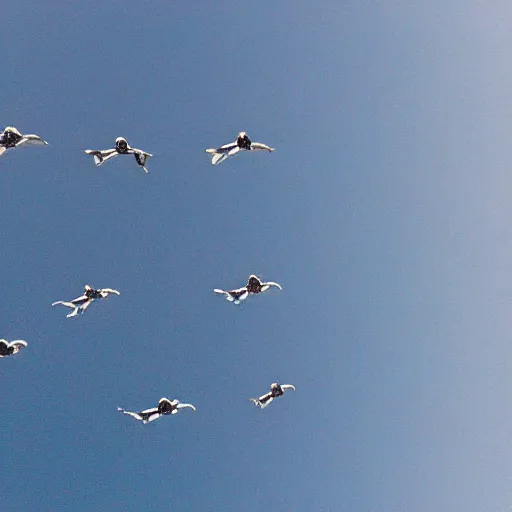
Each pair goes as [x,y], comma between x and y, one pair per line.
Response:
[384,213]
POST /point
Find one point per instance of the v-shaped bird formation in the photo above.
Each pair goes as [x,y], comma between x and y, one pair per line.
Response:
[11,138]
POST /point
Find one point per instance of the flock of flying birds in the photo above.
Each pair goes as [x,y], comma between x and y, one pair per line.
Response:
[11,138]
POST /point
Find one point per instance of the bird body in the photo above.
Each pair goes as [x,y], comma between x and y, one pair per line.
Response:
[11,348]
[276,390]
[242,143]
[121,148]
[164,408]
[254,286]
[12,138]
[80,304]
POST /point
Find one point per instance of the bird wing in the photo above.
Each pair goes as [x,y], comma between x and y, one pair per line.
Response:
[129,413]
[233,298]
[18,343]
[244,295]
[227,147]
[265,400]
[183,406]
[82,298]
[141,157]
[101,156]
[284,387]
[151,410]
[73,313]
[31,140]
[153,415]
[218,158]
[258,146]
[266,286]
[223,153]
[268,402]
[86,304]
[142,154]
[108,291]
[67,304]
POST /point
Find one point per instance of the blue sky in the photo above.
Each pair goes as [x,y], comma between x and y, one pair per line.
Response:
[383,213]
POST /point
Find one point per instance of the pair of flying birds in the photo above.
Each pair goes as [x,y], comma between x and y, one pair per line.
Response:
[79,305]
[219,155]
[12,138]
[166,406]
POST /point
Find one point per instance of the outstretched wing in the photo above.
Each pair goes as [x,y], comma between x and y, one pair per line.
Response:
[85,305]
[284,387]
[129,413]
[108,291]
[223,292]
[242,296]
[18,343]
[150,415]
[63,303]
[31,140]
[266,286]
[263,400]
[258,146]
[80,299]
[101,156]
[184,406]
[223,153]
[234,295]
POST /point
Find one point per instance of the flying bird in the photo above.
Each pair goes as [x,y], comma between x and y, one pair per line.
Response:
[121,148]
[276,390]
[80,304]
[242,143]
[235,296]
[255,285]
[11,138]
[165,407]
[9,349]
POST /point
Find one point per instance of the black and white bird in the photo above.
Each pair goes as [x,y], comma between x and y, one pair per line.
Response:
[9,349]
[121,148]
[165,407]
[242,143]
[80,304]
[235,296]
[11,138]
[276,390]
[255,285]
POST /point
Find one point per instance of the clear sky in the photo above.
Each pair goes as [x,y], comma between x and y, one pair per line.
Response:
[384,212]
